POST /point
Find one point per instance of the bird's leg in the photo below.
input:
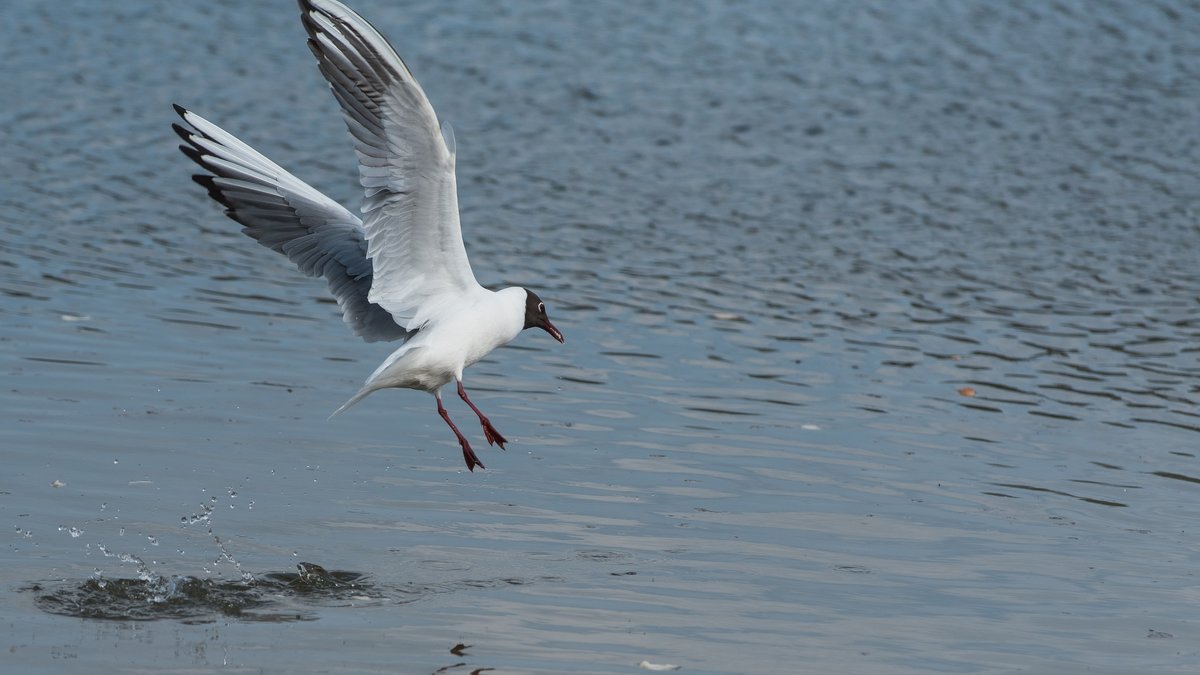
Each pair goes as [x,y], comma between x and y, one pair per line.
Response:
[489,431]
[468,453]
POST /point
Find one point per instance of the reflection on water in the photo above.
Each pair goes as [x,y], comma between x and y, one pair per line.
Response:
[886,353]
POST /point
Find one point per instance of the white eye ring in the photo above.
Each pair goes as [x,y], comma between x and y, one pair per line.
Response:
[541,306]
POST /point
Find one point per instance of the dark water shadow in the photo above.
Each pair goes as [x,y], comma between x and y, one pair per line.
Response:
[193,600]
[271,597]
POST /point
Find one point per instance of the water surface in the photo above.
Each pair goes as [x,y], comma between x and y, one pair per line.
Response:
[881,354]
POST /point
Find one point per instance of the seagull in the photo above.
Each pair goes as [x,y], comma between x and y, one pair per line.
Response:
[400,273]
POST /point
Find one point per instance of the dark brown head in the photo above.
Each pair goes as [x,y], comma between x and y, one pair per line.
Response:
[535,315]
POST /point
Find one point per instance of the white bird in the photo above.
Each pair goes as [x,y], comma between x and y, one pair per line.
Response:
[400,273]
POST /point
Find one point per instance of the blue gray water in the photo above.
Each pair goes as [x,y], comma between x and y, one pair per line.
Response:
[883,346]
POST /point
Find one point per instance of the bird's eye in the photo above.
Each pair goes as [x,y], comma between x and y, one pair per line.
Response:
[541,306]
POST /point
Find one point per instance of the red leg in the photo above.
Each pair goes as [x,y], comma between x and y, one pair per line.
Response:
[468,453]
[489,431]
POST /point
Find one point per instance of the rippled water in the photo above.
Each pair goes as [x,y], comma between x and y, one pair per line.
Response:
[882,346]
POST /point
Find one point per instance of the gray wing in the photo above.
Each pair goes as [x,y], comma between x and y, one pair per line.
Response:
[287,215]
[406,166]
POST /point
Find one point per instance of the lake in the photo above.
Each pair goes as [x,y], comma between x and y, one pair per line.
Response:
[882,346]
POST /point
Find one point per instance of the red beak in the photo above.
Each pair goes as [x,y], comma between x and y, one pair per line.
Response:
[549,328]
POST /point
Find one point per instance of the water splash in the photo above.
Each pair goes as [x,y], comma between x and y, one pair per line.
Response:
[272,596]
[151,597]
[205,516]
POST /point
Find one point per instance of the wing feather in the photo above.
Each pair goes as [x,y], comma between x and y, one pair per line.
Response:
[406,167]
[287,215]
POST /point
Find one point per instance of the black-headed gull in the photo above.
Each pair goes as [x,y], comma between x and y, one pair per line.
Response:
[400,273]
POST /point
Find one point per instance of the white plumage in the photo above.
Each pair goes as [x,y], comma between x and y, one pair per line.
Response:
[401,272]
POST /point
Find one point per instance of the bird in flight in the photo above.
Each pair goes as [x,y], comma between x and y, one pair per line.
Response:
[399,273]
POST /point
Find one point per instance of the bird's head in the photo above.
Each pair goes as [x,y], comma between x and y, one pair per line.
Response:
[535,315]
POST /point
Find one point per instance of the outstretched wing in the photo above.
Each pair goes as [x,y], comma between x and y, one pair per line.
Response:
[406,166]
[287,215]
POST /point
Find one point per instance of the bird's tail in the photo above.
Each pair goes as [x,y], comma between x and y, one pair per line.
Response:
[362,393]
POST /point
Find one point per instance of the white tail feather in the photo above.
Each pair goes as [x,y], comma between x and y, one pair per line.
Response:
[362,393]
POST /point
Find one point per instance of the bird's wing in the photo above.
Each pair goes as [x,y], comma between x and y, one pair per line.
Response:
[406,166]
[287,215]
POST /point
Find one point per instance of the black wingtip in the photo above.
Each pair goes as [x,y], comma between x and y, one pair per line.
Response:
[315,49]
[310,26]
[193,154]
[186,134]
[180,110]
[208,183]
